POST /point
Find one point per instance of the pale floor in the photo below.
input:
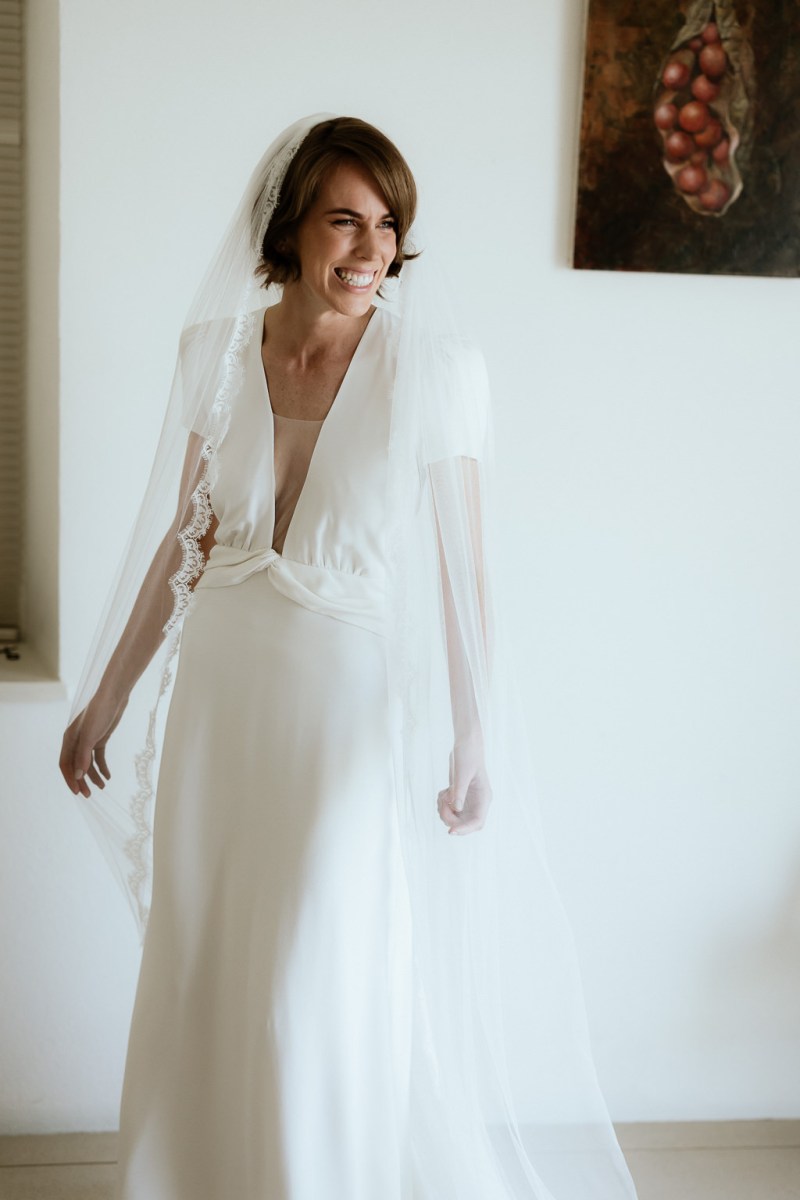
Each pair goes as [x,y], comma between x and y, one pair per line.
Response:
[744,1160]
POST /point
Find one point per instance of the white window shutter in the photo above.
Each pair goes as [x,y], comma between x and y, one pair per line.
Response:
[11,313]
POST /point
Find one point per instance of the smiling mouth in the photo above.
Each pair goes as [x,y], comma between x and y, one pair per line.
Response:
[353,278]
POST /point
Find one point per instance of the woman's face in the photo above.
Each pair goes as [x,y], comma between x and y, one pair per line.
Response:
[346,242]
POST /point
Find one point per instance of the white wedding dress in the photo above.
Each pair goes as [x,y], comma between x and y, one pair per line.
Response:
[269,1048]
[297,1034]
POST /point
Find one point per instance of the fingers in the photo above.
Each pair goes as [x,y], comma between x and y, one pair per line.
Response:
[84,765]
[66,762]
[100,759]
[446,808]
[83,756]
[456,797]
[455,818]
[99,767]
[463,810]
[76,763]
[468,825]
[69,776]
[81,786]
[82,783]
[95,777]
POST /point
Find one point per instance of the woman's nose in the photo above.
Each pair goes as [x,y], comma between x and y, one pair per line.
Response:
[368,244]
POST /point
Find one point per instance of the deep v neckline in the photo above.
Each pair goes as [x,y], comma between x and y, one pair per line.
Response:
[335,405]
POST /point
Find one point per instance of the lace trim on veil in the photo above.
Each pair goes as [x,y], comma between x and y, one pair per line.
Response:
[138,848]
[190,536]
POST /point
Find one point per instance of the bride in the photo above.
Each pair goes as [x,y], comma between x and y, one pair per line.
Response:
[332,993]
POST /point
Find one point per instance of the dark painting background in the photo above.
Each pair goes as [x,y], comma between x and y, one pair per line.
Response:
[629,216]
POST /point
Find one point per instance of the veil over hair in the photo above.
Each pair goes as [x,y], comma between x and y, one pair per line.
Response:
[505,1103]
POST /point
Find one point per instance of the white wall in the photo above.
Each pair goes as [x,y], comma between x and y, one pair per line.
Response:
[647,429]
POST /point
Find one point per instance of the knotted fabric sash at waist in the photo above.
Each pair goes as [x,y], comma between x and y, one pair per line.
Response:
[356,599]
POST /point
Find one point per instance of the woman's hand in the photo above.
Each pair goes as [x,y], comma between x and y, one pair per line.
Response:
[83,750]
[464,804]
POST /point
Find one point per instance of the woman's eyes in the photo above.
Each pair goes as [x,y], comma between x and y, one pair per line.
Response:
[389,223]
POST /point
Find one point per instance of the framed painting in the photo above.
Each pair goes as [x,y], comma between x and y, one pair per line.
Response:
[690,138]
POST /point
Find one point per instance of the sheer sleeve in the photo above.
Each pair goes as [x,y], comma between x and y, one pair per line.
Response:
[456,424]
[456,498]
[457,451]
[175,567]
[469,567]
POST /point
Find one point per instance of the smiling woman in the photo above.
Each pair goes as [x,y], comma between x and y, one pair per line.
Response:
[330,146]
[331,965]
[345,245]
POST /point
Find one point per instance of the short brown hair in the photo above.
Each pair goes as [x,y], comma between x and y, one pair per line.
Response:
[324,147]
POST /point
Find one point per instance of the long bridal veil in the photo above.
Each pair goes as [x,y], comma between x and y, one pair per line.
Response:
[505,1101]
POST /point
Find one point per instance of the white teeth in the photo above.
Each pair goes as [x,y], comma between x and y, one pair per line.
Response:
[353,279]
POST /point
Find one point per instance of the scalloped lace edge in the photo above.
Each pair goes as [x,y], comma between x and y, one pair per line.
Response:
[138,848]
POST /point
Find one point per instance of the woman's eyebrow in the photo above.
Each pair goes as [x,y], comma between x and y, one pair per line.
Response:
[351,212]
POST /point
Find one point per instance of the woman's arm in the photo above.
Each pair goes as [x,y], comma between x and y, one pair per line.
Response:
[83,751]
[463,805]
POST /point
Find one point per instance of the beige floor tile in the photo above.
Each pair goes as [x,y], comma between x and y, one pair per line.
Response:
[92,1181]
[705,1135]
[720,1174]
[31,1148]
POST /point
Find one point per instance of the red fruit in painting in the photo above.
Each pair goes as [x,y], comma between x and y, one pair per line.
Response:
[696,44]
[703,89]
[721,153]
[678,146]
[715,196]
[710,33]
[691,179]
[693,116]
[665,116]
[713,61]
[709,136]
[699,158]
[676,75]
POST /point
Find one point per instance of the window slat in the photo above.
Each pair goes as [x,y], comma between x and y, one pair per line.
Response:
[11,309]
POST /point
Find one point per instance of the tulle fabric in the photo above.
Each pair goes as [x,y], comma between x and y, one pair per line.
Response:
[505,1103]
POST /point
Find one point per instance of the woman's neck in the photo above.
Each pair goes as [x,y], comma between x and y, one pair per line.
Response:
[303,332]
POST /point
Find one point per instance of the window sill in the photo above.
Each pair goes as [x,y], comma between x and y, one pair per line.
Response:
[27,678]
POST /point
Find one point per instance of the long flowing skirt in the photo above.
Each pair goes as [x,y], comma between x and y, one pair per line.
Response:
[269,1048]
